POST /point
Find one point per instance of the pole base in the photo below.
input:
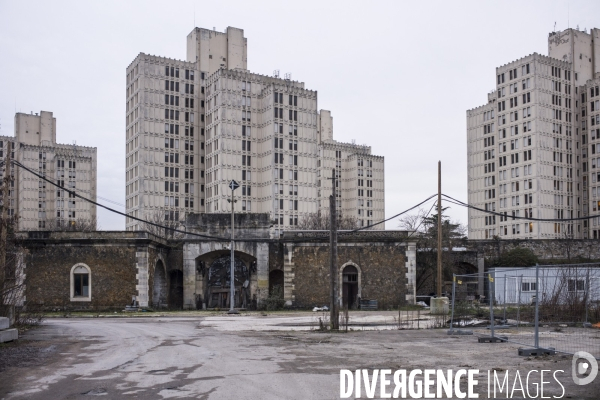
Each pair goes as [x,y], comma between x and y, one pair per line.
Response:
[459,332]
[537,352]
[492,339]
[233,311]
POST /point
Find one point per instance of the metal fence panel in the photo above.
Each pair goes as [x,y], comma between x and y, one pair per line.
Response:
[543,307]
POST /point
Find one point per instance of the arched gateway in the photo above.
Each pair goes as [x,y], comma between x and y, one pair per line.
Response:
[219,283]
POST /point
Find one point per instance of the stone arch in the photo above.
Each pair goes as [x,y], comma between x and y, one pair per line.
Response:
[276,279]
[213,268]
[159,285]
[358,292]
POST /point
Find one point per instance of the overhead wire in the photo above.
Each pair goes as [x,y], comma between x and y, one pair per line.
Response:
[74,193]
[450,199]
[422,220]
[463,204]
[211,237]
[351,231]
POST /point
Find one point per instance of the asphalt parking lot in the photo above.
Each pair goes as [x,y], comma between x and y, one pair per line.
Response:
[252,356]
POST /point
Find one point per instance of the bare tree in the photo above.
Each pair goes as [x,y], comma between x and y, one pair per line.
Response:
[413,222]
[78,225]
[321,221]
[426,227]
[11,277]
[168,221]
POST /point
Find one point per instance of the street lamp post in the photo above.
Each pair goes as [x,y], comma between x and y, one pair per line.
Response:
[232,185]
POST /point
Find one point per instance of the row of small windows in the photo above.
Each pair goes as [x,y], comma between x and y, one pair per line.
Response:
[292,114]
[174,188]
[172,100]
[278,128]
[279,159]
[514,87]
[61,164]
[188,145]
[278,205]
[278,144]
[293,189]
[174,87]
[174,130]
[513,73]
[174,158]
[292,174]
[557,73]
[174,73]
[292,100]
[293,220]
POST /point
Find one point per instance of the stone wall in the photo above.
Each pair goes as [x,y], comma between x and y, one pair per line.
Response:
[48,272]
[549,251]
[381,268]
[276,255]
[121,265]
[125,264]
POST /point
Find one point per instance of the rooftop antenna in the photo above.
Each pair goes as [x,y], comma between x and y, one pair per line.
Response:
[288,76]
[554,27]
[276,73]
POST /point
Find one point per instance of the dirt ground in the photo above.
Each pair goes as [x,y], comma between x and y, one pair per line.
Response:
[252,356]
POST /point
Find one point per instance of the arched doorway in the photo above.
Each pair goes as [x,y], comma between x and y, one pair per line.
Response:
[350,286]
[176,289]
[219,277]
[276,282]
[159,292]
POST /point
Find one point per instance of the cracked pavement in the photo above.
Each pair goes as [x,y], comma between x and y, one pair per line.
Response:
[235,357]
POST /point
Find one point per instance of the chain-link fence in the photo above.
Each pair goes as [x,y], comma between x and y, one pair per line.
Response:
[544,308]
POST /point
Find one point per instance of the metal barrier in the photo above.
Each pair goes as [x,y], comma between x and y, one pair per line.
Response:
[546,308]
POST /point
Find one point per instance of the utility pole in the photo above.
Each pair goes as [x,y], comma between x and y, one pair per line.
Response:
[334,310]
[232,185]
[439,231]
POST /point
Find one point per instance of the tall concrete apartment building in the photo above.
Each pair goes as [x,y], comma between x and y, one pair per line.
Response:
[38,204]
[193,126]
[534,148]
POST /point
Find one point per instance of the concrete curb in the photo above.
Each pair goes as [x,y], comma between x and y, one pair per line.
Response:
[8,335]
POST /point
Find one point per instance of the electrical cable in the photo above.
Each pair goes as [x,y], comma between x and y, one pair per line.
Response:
[110,201]
[392,217]
[460,203]
[119,212]
[422,220]
[348,232]
[216,238]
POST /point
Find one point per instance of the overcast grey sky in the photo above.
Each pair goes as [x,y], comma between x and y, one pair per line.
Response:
[397,75]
